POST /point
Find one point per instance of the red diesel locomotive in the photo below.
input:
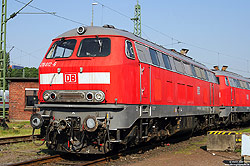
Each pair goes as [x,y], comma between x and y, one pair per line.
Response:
[234,97]
[102,88]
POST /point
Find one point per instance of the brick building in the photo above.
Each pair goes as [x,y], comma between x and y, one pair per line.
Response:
[22,97]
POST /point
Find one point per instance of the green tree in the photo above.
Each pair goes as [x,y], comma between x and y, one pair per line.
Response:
[26,72]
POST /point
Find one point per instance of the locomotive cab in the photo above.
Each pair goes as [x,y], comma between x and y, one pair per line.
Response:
[92,62]
[85,77]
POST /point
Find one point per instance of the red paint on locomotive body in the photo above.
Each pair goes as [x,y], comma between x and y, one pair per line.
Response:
[105,85]
[121,83]
[234,89]
[170,88]
[159,86]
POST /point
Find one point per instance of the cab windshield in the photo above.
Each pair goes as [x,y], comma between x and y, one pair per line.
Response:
[61,49]
[94,47]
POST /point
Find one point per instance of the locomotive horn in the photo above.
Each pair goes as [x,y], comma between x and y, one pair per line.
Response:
[81,30]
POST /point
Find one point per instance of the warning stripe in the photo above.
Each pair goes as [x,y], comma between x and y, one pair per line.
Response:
[226,133]
[223,132]
[238,140]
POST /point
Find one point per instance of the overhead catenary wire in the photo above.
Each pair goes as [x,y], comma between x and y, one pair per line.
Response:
[235,69]
[53,14]
[147,26]
[24,54]
[177,40]
[124,15]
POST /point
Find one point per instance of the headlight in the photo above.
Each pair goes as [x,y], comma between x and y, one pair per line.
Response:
[53,96]
[46,96]
[89,96]
[90,123]
[99,96]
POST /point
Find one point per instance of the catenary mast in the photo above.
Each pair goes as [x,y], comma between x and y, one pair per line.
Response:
[137,20]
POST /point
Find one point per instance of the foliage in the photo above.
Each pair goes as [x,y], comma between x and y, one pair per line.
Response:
[25,72]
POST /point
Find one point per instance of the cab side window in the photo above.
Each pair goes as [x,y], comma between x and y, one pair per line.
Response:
[226,81]
[166,61]
[129,50]
[154,57]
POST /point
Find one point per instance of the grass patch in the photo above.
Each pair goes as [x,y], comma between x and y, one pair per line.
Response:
[17,129]
[245,130]
[22,146]
[237,150]
[202,142]
[188,150]
[194,145]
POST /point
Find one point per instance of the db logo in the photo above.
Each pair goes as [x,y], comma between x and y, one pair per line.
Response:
[70,78]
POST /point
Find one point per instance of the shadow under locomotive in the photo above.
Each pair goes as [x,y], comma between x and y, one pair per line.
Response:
[98,132]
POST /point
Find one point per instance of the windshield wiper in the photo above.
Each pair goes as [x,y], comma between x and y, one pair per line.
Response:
[100,44]
[52,79]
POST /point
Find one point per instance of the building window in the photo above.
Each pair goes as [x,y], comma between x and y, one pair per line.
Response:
[31,97]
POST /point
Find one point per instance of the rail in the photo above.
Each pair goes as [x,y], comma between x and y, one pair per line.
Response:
[39,161]
[16,139]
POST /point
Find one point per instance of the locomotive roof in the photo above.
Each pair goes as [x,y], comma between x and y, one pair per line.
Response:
[110,30]
[231,74]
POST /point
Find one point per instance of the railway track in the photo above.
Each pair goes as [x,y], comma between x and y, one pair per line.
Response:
[83,160]
[43,160]
[87,160]
[60,160]
[16,139]
[79,160]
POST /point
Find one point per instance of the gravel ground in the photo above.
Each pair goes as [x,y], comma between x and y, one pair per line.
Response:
[18,152]
[188,152]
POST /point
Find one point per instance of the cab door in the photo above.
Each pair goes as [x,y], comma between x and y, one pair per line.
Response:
[145,83]
[232,96]
[211,94]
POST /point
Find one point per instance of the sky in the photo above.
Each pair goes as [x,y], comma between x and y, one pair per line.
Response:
[216,32]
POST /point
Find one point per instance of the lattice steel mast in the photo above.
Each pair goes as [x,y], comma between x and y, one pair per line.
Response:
[3,53]
[137,19]
[3,48]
